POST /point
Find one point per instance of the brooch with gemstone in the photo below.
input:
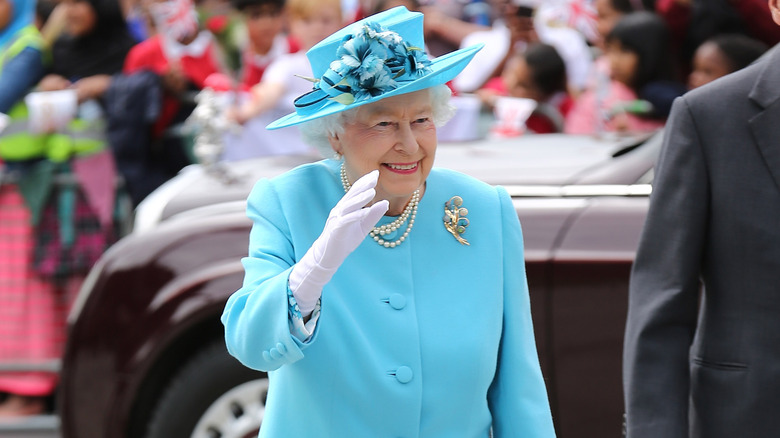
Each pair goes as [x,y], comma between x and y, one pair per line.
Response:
[455,220]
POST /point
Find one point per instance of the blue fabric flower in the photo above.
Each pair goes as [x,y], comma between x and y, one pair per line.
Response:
[372,61]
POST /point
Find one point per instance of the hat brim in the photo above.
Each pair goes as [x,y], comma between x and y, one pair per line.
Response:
[443,69]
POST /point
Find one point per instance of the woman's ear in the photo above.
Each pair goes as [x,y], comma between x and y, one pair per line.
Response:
[335,143]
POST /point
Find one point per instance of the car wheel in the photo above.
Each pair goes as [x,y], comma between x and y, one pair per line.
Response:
[212,396]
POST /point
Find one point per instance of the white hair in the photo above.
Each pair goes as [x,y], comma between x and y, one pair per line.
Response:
[317,132]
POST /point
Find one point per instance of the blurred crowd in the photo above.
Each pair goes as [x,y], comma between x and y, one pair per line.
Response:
[93,94]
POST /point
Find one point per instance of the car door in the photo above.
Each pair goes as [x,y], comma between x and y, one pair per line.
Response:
[587,300]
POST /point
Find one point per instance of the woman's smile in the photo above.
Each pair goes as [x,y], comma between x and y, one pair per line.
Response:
[402,168]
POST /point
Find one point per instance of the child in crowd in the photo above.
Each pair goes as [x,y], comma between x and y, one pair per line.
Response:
[539,74]
[310,21]
[266,42]
[520,26]
[641,89]
[179,52]
[608,13]
[721,55]
[179,57]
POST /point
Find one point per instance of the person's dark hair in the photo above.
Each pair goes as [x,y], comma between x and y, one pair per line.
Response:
[624,6]
[44,8]
[524,11]
[548,68]
[647,35]
[740,50]
[102,50]
[243,4]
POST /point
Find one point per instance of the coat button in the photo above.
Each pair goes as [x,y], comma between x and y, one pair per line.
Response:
[403,374]
[397,301]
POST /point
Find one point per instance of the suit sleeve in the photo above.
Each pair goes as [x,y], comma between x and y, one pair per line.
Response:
[664,286]
[517,396]
[256,317]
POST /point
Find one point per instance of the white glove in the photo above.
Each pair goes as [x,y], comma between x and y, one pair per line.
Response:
[348,224]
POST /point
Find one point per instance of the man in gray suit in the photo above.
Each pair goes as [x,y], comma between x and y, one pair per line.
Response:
[705,362]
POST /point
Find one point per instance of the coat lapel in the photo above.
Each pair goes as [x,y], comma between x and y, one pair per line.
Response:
[766,124]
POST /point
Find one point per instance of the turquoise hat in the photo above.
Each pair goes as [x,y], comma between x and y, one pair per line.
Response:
[377,57]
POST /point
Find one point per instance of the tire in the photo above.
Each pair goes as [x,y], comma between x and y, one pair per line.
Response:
[212,396]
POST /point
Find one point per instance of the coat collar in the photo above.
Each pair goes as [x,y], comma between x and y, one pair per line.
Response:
[765,125]
[766,90]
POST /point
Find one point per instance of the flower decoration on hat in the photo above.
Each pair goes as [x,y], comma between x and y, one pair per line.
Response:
[370,62]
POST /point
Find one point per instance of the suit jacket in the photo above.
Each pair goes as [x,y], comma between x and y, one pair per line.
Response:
[708,365]
[428,339]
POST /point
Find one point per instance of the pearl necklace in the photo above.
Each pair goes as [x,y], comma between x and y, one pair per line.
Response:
[410,212]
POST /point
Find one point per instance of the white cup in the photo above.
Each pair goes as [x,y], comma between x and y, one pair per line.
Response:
[50,111]
[511,114]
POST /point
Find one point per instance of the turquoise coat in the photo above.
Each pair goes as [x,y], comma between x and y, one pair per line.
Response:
[432,338]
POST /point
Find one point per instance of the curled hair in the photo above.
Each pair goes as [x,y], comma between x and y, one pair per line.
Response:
[317,132]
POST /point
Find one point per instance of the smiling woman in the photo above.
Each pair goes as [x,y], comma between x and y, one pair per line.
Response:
[409,300]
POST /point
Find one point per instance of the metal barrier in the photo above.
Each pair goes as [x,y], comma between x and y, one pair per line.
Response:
[35,426]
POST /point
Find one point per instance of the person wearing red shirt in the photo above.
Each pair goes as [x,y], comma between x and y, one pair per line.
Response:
[264,22]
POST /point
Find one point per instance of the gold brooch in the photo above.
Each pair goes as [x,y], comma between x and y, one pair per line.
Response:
[455,218]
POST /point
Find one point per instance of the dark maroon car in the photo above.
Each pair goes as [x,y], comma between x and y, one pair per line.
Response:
[146,355]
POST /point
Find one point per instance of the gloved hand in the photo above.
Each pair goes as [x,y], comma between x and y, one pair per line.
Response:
[348,224]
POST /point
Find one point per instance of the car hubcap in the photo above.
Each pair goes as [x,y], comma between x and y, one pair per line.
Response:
[236,414]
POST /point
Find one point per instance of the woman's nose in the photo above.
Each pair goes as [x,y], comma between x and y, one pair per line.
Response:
[407,141]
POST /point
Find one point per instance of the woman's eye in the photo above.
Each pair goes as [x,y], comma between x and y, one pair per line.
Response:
[384,124]
[422,120]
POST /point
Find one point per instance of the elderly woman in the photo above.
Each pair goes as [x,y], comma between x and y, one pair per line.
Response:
[386,297]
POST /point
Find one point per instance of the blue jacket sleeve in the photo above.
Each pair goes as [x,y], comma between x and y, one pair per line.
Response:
[18,76]
[518,396]
[256,317]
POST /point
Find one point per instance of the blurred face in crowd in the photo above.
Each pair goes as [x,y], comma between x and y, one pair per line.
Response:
[396,135]
[519,80]
[6,12]
[263,22]
[81,17]
[606,17]
[521,28]
[622,62]
[316,26]
[709,63]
